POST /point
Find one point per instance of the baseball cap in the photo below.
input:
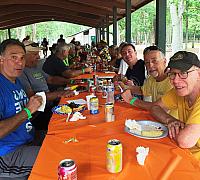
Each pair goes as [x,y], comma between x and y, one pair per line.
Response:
[183,61]
[31,46]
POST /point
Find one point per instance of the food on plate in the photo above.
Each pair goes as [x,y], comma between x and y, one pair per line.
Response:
[152,133]
[146,130]
[132,124]
[73,87]
[65,109]
[76,107]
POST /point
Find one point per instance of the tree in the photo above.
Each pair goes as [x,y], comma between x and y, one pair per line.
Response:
[176,12]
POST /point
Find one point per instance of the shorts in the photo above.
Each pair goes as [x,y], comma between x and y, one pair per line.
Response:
[18,164]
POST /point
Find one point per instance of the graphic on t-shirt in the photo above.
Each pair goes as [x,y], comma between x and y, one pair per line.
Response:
[20,99]
[29,127]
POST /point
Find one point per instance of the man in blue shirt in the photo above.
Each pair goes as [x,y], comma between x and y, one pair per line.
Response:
[17,156]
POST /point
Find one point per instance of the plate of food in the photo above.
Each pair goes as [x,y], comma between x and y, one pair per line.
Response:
[65,109]
[146,129]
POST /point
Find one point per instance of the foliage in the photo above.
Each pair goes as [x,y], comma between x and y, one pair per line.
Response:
[142,22]
[51,30]
[193,17]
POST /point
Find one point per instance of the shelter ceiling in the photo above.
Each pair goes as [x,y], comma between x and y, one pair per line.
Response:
[93,13]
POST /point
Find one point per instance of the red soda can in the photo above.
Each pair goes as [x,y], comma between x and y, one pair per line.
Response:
[67,170]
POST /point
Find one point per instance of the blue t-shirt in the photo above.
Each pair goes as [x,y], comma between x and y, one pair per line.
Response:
[12,100]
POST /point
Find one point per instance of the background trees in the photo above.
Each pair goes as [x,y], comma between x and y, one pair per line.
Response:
[185,12]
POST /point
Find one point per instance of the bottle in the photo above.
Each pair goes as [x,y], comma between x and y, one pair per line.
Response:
[110,94]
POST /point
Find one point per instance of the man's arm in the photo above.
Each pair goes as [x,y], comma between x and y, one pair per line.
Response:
[12,123]
[127,96]
[188,136]
[57,80]
[58,94]
[73,73]
[159,112]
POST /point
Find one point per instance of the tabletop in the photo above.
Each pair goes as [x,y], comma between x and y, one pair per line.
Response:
[165,160]
[101,75]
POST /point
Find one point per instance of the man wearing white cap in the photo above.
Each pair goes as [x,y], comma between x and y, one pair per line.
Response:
[184,73]
[34,80]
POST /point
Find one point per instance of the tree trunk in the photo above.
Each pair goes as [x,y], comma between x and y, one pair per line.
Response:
[177,34]
[34,32]
[23,32]
[186,26]
[194,37]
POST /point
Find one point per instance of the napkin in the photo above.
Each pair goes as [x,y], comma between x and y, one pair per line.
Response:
[76,116]
[132,124]
[78,101]
[43,95]
[142,154]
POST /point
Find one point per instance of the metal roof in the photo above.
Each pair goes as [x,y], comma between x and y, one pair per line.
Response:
[15,13]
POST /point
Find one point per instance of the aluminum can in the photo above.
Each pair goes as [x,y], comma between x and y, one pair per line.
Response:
[114,156]
[110,94]
[67,170]
[94,105]
[109,112]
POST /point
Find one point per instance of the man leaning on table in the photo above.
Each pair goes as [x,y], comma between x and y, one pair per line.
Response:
[184,73]
[156,84]
[17,154]
[55,66]
[34,80]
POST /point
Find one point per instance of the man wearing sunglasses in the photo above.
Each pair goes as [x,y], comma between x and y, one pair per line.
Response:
[184,73]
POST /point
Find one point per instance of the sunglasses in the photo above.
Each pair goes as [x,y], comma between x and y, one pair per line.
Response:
[152,48]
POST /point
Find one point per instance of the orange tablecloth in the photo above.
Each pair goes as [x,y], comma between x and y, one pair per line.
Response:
[100,75]
[89,152]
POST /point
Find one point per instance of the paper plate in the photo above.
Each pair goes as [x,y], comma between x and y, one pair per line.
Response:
[148,125]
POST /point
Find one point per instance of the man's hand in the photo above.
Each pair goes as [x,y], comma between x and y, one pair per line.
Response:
[174,128]
[34,103]
[129,83]
[127,96]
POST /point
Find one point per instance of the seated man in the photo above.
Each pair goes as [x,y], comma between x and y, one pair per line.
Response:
[55,65]
[184,74]
[136,70]
[157,82]
[17,155]
[34,79]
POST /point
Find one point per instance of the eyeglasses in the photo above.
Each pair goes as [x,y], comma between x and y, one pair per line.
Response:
[152,48]
[182,75]
[33,45]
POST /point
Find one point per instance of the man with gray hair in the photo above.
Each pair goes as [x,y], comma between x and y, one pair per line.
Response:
[157,82]
[184,73]
[55,66]
[34,79]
